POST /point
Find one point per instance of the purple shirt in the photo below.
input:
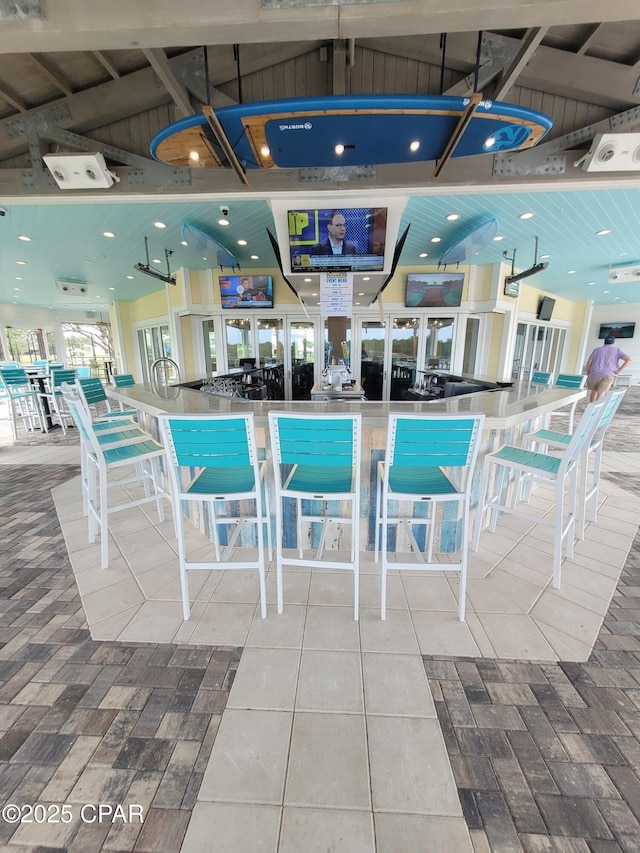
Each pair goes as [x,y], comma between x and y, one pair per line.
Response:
[605,360]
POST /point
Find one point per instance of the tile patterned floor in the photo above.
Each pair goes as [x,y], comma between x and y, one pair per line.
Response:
[331,738]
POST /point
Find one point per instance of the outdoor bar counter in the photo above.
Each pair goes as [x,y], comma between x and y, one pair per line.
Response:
[509,412]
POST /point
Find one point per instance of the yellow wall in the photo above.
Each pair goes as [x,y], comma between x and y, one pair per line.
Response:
[188,354]
[495,349]
[147,307]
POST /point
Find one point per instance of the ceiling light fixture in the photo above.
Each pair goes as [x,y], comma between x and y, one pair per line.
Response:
[242,242]
[414,146]
[306,279]
[130,276]
[436,239]
[497,238]
[149,270]
[423,255]
[24,238]
[603,232]
[265,151]
[571,272]
[489,142]
[544,257]
[160,224]
[222,221]
[255,257]
[183,243]
[113,288]
[194,156]
[451,217]
[108,234]
[18,278]
[339,149]
[366,278]
[606,291]
[22,263]
[526,215]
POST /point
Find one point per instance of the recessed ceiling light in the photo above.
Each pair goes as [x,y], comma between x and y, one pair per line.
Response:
[623,254]
[603,232]
[157,261]
[545,256]
[361,294]
[183,243]
[306,279]
[526,216]
[18,278]
[265,151]
[242,242]
[108,234]
[203,258]
[98,297]
[339,149]
[113,288]
[423,255]
[451,217]
[497,238]
[160,224]
[356,303]
[590,283]
[24,238]
[314,294]
[130,276]
[17,289]
[88,262]
[194,156]
[255,257]
[606,291]
[224,222]
[414,145]
[616,297]
[571,272]
[436,239]
[22,263]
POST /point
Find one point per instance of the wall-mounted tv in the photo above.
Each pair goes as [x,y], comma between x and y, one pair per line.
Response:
[338,239]
[617,330]
[545,308]
[246,291]
[434,290]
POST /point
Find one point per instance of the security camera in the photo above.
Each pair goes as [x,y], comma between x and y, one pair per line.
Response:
[3,211]
[224,210]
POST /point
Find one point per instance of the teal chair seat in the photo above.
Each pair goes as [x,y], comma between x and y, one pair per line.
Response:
[316,463]
[424,486]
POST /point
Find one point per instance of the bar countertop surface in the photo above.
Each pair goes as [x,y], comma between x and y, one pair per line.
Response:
[502,407]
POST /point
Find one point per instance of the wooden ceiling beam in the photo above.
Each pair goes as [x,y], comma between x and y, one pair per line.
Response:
[589,39]
[108,66]
[530,42]
[44,66]
[12,99]
[157,59]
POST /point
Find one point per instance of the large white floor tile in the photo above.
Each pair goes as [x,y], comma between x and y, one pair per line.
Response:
[321,830]
[421,833]
[330,681]
[266,679]
[232,828]
[278,630]
[397,685]
[516,636]
[443,634]
[331,628]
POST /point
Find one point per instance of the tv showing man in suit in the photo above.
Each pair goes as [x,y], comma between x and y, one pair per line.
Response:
[335,244]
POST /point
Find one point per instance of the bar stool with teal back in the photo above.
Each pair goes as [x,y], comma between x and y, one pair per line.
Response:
[123,380]
[589,479]
[429,460]
[24,402]
[316,461]
[540,378]
[55,397]
[93,395]
[213,462]
[568,380]
[513,466]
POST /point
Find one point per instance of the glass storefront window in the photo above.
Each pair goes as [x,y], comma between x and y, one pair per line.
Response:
[270,342]
[238,339]
[439,340]
[210,356]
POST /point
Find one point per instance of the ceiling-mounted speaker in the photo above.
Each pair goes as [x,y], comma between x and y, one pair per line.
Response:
[613,152]
[621,273]
[80,171]
[72,288]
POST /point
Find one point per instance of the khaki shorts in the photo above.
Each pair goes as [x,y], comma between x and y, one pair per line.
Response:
[600,385]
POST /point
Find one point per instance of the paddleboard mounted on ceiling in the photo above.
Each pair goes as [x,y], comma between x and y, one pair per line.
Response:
[345,130]
[469,240]
[208,247]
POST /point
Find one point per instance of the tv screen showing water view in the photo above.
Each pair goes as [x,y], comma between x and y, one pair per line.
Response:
[434,290]
[617,330]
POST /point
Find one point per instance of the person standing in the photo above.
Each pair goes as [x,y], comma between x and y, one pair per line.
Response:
[603,365]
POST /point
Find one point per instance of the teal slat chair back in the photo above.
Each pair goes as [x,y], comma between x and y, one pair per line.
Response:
[14,377]
[92,390]
[123,380]
[316,442]
[570,380]
[60,377]
[433,443]
[540,378]
[221,442]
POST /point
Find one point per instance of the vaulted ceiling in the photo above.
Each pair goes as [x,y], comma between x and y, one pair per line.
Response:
[107,77]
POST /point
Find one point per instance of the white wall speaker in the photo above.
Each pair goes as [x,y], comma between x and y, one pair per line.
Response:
[72,288]
[621,273]
[613,152]
[79,171]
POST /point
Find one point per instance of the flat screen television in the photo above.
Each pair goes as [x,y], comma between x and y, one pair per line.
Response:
[358,234]
[246,291]
[618,330]
[434,290]
[545,309]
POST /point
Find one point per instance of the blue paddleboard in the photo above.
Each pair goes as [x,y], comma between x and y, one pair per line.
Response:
[208,246]
[470,240]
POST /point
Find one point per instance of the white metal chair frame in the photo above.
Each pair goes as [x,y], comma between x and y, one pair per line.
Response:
[514,464]
[24,401]
[589,485]
[317,458]
[55,397]
[137,449]
[568,380]
[213,460]
[429,460]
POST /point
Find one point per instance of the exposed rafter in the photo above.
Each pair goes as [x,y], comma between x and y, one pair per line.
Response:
[12,100]
[530,43]
[590,38]
[158,61]
[56,79]
[108,66]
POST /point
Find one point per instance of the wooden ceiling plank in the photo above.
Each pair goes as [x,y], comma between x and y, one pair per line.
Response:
[559,72]
[56,79]
[157,59]
[108,66]
[530,43]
